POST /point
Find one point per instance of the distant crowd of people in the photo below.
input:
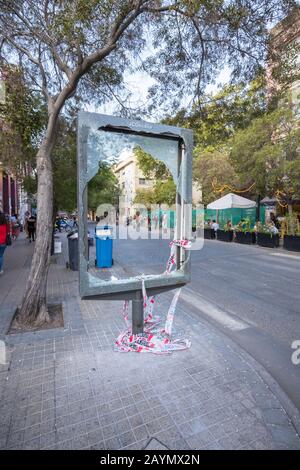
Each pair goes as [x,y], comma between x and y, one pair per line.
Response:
[273,224]
[10,228]
[154,221]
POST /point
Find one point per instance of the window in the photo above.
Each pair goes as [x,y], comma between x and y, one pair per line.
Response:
[142,181]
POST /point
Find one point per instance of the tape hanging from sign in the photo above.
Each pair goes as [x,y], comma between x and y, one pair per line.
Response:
[154,339]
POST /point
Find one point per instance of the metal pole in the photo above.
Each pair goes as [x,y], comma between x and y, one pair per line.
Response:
[137,313]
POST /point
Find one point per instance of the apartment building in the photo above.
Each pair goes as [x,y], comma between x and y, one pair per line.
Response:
[131,179]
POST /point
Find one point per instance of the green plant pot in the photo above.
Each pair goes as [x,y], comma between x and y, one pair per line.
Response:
[245,238]
[291,242]
[225,236]
[209,233]
[267,240]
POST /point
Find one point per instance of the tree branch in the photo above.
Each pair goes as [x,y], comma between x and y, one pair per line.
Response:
[23,50]
[46,38]
[196,24]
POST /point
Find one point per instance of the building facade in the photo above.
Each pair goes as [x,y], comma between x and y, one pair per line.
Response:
[9,193]
[131,179]
[285,49]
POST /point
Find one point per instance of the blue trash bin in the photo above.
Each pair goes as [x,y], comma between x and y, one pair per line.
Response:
[104,246]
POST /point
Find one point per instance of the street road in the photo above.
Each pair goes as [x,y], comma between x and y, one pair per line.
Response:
[252,294]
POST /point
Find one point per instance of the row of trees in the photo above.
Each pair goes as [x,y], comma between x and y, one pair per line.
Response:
[24,119]
[77,49]
[246,143]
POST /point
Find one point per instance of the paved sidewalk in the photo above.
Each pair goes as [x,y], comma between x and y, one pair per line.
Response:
[68,389]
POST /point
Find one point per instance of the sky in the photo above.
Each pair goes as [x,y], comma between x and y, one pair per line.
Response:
[140,82]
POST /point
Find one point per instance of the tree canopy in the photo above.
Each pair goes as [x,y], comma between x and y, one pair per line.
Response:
[214,166]
[81,49]
[245,143]
[103,188]
[23,119]
[164,188]
[150,166]
[65,167]
[267,153]
[68,48]
[218,116]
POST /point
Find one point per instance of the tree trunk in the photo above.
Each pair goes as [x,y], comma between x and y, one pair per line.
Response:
[33,310]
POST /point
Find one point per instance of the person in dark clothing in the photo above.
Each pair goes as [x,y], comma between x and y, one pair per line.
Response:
[31,224]
[274,220]
[3,238]
[58,223]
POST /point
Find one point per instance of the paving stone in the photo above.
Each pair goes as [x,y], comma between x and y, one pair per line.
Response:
[136,420]
[32,432]
[154,444]
[33,444]
[112,443]
[141,432]
[200,440]
[48,439]
[15,438]
[275,416]
[65,445]
[284,435]
[92,424]
[95,436]
[98,446]
[127,438]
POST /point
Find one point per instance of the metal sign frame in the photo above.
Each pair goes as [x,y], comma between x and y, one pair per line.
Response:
[131,288]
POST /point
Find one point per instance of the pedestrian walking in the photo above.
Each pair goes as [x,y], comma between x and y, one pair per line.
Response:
[75,221]
[58,223]
[26,217]
[215,226]
[274,220]
[15,225]
[164,222]
[4,236]
[31,224]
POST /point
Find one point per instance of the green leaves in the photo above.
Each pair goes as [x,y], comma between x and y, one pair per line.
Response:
[24,118]
[164,189]
[163,192]
[151,168]
[267,152]
[213,165]
[103,188]
[64,167]
[217,118]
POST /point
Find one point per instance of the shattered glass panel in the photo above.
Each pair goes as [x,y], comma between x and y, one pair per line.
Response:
[137,236]
[109,146]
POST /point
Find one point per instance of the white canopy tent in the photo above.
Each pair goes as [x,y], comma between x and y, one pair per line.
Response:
[231,201]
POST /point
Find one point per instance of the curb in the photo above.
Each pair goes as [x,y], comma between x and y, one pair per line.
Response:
[292,412]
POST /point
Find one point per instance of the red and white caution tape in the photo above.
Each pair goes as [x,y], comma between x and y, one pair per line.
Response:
[154,339]
[125,313]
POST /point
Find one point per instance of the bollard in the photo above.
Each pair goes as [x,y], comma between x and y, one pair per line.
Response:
[138,313]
